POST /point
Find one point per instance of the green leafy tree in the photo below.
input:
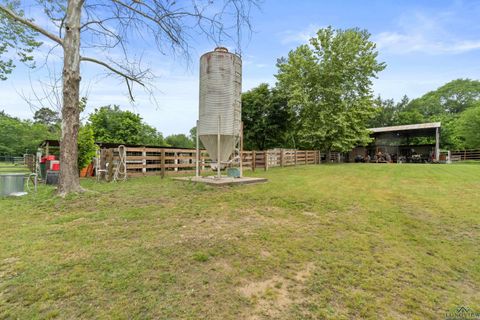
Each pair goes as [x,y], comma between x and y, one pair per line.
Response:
[21,136]
[452,98]
[445,105]
[384,113]
[148,135]
[330,87]
[86,146]
[406,115]
[467,128]
[48,117]
[180,141]
[267,118]
[111,124]
[389,113]
[17,37]
[255,105]
[193,138]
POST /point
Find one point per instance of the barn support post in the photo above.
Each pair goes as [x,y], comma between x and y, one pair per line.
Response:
[437,144]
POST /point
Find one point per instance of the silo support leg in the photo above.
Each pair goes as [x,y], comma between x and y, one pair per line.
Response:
[219,173]
[197,155]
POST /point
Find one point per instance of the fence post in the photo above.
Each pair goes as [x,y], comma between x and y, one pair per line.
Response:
[144,161]
[295,156]
[103,164]
[253,160]
[175,161]
[265,157]
[306,157]
[109,163]
[281,157]
[162,162]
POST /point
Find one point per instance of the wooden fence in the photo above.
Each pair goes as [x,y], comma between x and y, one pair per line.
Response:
[280,158]
[166,161]
[462,155]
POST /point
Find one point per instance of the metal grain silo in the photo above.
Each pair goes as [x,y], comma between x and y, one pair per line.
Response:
[219,123]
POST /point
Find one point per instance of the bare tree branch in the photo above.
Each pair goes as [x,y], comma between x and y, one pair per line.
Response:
[31,24]
[114,70]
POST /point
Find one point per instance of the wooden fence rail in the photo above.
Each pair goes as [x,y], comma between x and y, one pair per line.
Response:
[462,155]
[165,161]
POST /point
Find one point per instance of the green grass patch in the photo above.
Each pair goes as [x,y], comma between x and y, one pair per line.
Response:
[352,241]
[7,167]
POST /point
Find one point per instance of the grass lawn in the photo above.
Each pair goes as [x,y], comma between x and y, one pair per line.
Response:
[352,241]
[7,167]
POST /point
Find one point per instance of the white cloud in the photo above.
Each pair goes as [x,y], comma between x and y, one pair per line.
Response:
[299,37]
[402,43]
[425,34]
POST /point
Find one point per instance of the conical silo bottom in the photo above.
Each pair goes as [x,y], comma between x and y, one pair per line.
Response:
[210,141]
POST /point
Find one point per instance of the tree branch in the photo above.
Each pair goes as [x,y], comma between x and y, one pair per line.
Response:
[31,24]
[114,70]
[118,72]
[157,21]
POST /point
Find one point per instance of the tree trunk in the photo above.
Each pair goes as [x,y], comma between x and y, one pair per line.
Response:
[69,177]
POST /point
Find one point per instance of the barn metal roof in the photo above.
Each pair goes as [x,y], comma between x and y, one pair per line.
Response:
[408,127]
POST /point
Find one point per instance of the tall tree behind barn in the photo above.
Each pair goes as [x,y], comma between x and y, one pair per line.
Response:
[109,25]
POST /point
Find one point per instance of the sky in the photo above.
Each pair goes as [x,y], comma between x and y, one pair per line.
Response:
[424,44]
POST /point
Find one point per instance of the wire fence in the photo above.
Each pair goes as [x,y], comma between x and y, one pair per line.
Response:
[15,163]
[12,159]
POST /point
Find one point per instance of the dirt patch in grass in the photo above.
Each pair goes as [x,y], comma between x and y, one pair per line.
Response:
[272,297]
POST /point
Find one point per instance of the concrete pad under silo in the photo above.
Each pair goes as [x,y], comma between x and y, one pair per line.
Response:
[223,181]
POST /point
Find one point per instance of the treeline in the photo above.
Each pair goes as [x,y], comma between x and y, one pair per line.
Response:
[323,99]
[18,137]
[105,124]
[270,122]
[111,124]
